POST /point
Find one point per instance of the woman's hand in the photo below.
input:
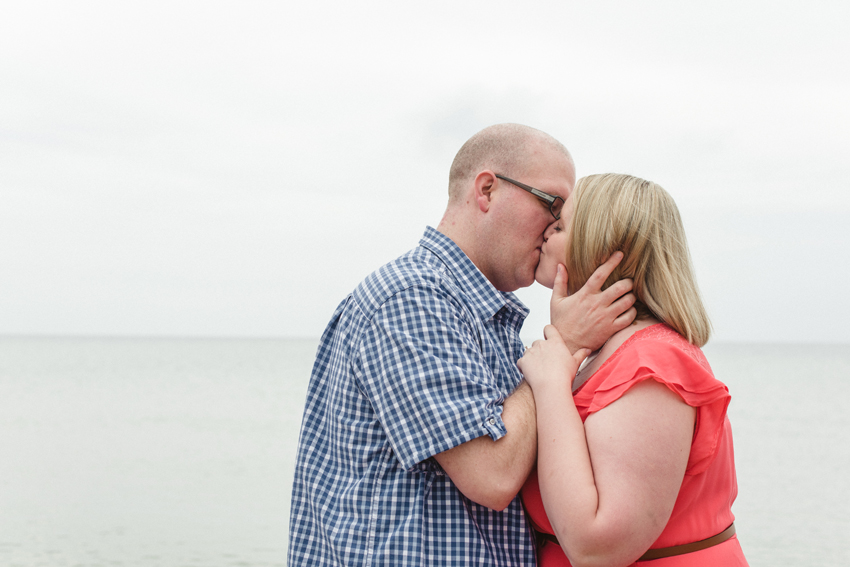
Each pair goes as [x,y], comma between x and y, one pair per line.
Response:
[549,361]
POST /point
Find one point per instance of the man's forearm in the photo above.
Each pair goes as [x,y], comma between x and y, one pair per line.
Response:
[489,472]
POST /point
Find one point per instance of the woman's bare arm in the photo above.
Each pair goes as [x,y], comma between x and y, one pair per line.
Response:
[608,485]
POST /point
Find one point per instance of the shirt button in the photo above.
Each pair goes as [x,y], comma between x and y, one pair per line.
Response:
[492,421]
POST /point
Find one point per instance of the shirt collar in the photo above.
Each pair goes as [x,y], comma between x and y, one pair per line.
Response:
[479,292]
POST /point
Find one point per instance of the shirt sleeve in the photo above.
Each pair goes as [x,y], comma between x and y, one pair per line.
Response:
[681,373]
[421,366]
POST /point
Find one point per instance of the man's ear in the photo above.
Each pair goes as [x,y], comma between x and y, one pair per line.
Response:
[484,184]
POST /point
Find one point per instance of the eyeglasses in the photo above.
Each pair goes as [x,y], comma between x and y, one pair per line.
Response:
[555,203]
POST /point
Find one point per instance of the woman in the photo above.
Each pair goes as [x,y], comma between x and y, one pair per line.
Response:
[634,448]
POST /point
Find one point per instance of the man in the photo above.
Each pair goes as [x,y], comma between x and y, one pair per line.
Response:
[418,430]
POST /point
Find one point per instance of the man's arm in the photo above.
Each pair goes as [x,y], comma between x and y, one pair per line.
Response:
[588,318]
[489,472]
[433,392]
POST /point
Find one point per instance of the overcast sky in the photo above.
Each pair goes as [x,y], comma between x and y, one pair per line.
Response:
[234,169]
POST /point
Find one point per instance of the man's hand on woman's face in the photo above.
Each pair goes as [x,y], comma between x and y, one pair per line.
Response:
[587,318]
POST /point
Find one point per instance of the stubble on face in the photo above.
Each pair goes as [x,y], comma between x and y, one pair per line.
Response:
[558,179]
[550,171]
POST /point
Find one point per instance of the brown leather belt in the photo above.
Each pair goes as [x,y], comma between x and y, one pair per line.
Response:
[689,547]
[542,538]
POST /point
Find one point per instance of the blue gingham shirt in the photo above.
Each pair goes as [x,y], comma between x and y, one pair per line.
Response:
[417,360]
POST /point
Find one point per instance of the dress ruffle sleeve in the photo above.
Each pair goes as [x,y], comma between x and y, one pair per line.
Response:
[659,353]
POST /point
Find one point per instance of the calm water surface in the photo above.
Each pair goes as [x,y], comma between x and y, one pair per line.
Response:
[135,452]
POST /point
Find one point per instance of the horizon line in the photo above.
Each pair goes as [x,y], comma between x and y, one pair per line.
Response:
[222,337]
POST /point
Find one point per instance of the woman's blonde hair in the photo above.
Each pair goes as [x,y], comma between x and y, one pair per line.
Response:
[619,212]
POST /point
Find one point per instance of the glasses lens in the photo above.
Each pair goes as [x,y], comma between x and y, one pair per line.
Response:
[556,207]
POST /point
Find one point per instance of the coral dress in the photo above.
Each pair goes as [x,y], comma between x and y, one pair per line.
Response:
[704,505]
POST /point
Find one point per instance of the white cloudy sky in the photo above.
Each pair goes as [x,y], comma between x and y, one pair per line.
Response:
[234,169]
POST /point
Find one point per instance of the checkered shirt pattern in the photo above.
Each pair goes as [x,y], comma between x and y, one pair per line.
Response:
[417,360]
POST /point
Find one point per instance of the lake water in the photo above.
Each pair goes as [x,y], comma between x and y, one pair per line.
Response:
[148,452]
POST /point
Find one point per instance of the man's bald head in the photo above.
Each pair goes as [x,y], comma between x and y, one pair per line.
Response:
[502,148]
[494,222]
